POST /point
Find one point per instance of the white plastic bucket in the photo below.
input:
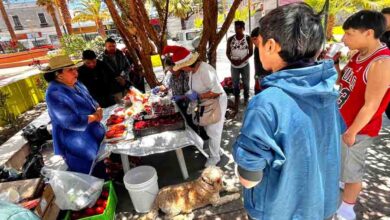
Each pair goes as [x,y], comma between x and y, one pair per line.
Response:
[141,182]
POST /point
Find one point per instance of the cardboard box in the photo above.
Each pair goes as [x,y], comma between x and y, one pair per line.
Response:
[46,199]
[52,211]
[47,209]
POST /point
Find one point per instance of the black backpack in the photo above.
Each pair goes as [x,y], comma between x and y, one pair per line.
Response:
[37,138]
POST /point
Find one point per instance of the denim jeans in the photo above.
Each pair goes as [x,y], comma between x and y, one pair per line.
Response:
[245,74]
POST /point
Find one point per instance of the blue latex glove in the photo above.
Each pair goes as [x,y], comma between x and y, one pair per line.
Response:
[193,96]
[156,90]
[177,98]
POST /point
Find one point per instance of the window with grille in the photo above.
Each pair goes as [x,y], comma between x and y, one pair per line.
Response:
[42,18]
[16,21]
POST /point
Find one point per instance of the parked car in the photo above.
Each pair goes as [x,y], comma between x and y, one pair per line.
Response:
[53,52]
[186,38]
[191,38]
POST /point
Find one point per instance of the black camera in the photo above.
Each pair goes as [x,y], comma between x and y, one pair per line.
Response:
[37,138]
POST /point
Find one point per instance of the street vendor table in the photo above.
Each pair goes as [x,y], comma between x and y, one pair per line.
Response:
[156,143]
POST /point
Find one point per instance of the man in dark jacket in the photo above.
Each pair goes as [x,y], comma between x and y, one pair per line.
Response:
[120,66]
[95,75]
[386,36]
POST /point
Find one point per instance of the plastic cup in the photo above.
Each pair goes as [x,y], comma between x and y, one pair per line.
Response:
[334,48]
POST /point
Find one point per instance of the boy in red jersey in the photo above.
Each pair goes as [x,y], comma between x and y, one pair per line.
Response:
[363,98]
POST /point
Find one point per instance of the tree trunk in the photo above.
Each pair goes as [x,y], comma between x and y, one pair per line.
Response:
[7,22]
[210,39]
[100,28]
[132,44]
[148,70]
[145,32]
[119,25]
[226,24]
[202,48]
[212,58]
[132,16]
[151,32]
[159,9]
[183,24]
[329,28]
[163,14]
[163,37]
[213,22]
[66,16]
[51,11]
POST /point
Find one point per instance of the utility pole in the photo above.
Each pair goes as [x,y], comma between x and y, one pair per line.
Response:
[250,17]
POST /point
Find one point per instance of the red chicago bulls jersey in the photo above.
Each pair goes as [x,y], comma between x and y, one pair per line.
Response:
[353,88]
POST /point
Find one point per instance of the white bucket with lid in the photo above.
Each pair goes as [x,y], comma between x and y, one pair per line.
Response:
[141,182]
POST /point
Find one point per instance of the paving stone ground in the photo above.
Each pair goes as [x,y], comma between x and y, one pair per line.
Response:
[374,202]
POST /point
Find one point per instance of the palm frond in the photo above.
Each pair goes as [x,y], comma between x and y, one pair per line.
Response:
[90,10]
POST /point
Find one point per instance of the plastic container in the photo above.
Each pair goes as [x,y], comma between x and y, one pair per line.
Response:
[109,212]
[334,48]
[141,182]
[178,125]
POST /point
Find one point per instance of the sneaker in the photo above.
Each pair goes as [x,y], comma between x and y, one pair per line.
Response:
[345,212]
[212,161]
[339,217]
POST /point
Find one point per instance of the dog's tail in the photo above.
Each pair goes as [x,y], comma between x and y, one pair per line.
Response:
[153,213]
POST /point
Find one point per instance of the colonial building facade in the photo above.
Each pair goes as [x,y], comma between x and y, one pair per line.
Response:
[32,24]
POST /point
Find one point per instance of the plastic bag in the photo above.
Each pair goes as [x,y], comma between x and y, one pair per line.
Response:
[134,95]
[73,191]
[11,195]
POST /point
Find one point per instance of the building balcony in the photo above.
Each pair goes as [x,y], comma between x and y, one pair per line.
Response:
[18,28]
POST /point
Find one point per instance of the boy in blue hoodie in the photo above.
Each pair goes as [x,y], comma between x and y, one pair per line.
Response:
[288,150]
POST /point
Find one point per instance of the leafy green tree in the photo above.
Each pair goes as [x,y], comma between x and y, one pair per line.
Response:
[345,6]
[92,10]
[182,9]
[49,6]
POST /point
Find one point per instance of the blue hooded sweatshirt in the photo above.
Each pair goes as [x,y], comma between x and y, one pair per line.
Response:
[291,133]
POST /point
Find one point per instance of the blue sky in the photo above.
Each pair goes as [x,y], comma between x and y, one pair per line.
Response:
[71,5]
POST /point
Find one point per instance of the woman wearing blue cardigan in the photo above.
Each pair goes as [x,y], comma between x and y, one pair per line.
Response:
[75,115]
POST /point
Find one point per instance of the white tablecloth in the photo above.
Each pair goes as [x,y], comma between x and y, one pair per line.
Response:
[157,143]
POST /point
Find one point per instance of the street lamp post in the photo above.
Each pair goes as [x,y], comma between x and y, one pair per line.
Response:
[31,26]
